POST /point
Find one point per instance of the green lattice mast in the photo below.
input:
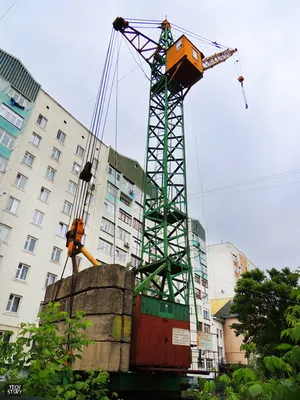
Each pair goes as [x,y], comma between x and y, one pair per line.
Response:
[165,234]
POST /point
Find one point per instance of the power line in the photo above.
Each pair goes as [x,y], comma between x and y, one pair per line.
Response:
[251,181]
[251,190]
[8,10]
[256,291]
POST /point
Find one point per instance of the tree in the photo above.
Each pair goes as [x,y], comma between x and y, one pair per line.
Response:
[278,377]
[41,351]
[260,304]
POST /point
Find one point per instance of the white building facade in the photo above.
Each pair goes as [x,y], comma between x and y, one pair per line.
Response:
[227,263]
[211,340]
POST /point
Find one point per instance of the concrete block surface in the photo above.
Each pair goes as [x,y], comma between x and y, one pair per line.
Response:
[99,301]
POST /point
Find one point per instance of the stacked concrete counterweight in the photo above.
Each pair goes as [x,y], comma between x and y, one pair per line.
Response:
[105,294]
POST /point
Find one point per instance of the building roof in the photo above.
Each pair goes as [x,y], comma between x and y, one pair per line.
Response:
[224,311]
[217,304]
[198,229]
[14,71]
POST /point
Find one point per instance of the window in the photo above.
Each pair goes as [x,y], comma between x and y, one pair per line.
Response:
[195,54]
[112,189]
[5,335]
[55,154]
[107,226]
[105,247]
[199,310]
[80,151]
[123,216]
[124,201]
[198,293]
[50,173]
[137,225]
[62,229]
[12,117]
[89,198]
[123,235]
[44,194]
[18,98]
[178,44]
[209,364]
[42,121]
[28,159]
[72,187]
[67,208]
[76,168]
[12,205]
[139,195]
[2,86]
[206,328]
[197,278]
[35,139]
[86,217]
[50,279]
[220,333]
[138,209]
[234,258]
[220,352]
[109,207]
[30,244]
[205,283]
[3,164]
[56,253]
[7,139]
[115,174]
[205,314]
[137,244]
[38,217]
[4,233]
[22,272]
[13,303]
[135,261]
[121,254]
[128,184]
[95,163]
[200,326]
[61,136]
[21,181]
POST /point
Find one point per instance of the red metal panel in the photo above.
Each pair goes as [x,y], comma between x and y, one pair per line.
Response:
[151,342]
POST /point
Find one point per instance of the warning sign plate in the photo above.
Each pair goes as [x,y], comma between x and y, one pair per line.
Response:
[181,337]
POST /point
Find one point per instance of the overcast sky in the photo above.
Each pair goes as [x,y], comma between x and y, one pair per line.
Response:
[63,44]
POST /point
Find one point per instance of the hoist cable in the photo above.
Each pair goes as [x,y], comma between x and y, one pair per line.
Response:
[107,109]
[90,146]
[98,117]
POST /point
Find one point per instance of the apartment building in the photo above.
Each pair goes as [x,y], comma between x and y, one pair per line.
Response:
[227,263]
[209,333]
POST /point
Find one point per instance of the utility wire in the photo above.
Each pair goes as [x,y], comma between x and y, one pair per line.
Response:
[9,8]
[251,181]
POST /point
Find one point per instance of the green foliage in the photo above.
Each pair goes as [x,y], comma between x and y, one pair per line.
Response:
[278,378]
[41,351]
[260,304]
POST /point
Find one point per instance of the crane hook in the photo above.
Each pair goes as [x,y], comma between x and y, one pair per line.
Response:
[241,80]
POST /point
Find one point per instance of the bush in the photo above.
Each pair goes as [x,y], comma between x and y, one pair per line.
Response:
[41,352]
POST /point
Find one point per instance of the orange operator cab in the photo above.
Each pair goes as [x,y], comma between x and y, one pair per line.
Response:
[184,62]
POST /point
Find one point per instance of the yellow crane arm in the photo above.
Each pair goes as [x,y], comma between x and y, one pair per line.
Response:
[217,58]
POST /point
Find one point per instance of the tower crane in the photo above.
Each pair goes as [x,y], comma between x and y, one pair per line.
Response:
[165,262]
[160,340]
